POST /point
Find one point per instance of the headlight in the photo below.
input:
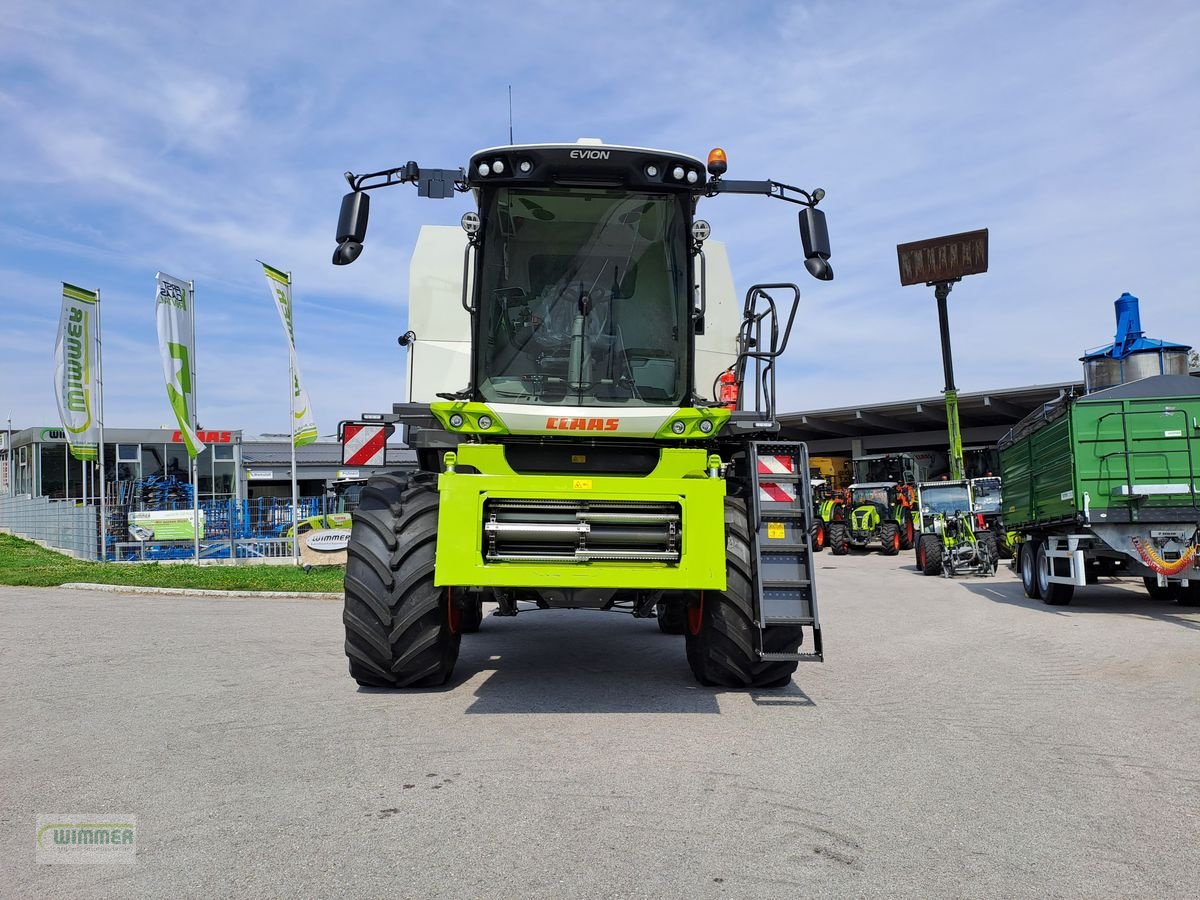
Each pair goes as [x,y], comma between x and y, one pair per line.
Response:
[485,422]
[678,426]
[456,420]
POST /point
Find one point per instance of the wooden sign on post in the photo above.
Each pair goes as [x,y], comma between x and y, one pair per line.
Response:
[946,258]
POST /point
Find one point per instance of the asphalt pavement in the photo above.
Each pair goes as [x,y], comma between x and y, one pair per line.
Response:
[959,740]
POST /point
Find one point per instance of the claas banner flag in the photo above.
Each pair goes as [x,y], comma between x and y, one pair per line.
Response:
[75,370]
[177,348]
[304,425]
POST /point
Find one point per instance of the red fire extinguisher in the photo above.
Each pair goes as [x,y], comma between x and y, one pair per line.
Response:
[728,397]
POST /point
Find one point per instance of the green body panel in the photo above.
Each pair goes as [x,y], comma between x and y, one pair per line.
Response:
[864,518]
[681,476]
[1098,447]
[828,507]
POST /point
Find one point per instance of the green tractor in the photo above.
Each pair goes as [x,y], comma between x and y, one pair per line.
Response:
[952,538]
[878,512]
[829,506]
[592,407]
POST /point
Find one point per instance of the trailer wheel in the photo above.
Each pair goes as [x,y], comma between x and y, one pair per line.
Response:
[908,534]
[1052,594]
[1028,561]
[1190,595]
[889,538]
[839,539]
[401,630]
[1158,592]
[931,554]
[720,632]
[671,613]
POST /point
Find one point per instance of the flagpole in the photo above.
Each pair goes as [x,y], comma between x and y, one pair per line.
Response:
[292,371]
[100,406]
[195,427]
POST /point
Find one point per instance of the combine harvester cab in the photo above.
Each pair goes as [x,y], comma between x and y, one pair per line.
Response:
[1107,484]
[593,412]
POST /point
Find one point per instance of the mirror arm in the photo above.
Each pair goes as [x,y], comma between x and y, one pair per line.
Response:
[776,189]
[410,173]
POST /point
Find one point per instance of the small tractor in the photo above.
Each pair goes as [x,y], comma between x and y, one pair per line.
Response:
[952,539]
[593,410]
[877,512]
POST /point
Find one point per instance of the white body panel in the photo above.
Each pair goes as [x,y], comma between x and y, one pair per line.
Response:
[440,359]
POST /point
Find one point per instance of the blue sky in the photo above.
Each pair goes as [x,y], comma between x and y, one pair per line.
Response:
[195,138]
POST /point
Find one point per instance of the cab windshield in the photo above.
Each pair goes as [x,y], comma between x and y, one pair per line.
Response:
[863,495]
[987,494]
[583,298]
[948,500]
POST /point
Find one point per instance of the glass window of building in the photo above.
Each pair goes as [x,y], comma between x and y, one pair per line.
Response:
[177,463]
[53,469]
[152,460]
[204,475]
[129,457]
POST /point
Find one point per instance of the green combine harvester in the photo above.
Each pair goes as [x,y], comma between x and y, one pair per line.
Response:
[1108,483]
[593,411]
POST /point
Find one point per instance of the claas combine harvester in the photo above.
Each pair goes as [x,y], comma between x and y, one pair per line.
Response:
[593,411]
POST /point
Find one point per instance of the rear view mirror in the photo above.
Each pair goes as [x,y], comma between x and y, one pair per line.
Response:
[815,235]
[352,227]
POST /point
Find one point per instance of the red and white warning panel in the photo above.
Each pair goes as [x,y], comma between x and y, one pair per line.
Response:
[363,444]
[776,465]
[778,493]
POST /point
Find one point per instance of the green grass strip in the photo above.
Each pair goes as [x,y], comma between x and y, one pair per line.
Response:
[25,563]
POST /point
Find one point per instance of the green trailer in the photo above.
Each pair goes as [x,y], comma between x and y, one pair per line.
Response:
[1105,484]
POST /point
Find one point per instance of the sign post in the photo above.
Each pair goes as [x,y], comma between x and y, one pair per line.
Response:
[940,263]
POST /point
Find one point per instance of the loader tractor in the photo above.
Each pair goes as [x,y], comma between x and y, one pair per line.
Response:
[593,411]
[952,537]
[877,513]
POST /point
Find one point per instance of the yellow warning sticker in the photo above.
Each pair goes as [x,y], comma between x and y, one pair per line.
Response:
[578,458]
[581,484]
[775,531]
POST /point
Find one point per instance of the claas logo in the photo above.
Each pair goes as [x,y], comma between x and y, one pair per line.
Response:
[563,423]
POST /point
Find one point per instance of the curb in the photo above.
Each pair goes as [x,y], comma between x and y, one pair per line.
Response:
[189,592]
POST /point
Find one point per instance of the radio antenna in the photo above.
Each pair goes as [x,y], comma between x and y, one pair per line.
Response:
[510,137]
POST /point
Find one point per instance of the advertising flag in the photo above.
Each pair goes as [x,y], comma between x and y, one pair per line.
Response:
[75,369]
[304,426]
[177,348]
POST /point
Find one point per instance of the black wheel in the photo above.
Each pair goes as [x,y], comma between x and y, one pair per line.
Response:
[1168,592]
[988,545]
[720,633]
[401,631]
[470,615]
[1190,595]
[1003,545]
[819,536]
[889,538]
[908,533]
[918,553]
[1052,594]
[839,539]
[931,554]
[671,612]
[1028,565]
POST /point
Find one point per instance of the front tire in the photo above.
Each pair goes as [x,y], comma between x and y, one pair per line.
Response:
[401,630]
[839,539]
[720,634]
[820,536]
[931,554]
[889,538]
[908,535]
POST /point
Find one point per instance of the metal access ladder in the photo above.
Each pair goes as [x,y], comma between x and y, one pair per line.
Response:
[780,513]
